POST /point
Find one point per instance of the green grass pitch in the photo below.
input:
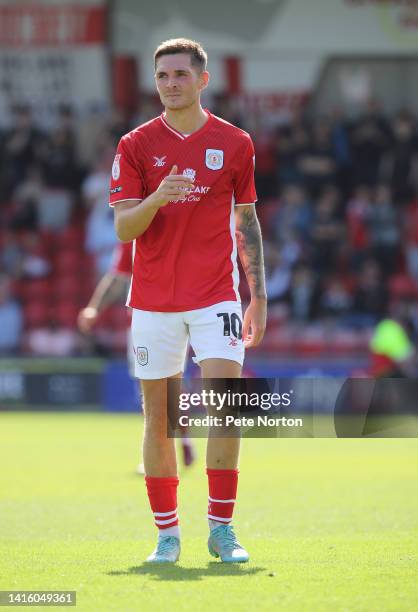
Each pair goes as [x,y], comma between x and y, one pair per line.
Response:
[331,524]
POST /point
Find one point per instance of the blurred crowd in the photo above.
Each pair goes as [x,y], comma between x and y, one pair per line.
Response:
[339,208]
[338,205]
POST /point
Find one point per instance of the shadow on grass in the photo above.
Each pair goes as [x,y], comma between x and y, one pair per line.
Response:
[163,571]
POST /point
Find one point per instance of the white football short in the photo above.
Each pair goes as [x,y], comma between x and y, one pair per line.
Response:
[160,339]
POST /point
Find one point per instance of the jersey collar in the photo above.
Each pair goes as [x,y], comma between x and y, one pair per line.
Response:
[193,134]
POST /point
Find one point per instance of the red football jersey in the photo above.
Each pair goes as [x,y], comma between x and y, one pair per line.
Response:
[187,258]
[122,259]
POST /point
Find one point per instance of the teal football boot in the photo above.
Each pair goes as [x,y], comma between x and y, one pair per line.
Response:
[223,543]
[167,551]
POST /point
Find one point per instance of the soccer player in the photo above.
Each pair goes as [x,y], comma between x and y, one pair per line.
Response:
[110,288]
[183,190]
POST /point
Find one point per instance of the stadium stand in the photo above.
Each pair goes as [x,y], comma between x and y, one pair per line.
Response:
[338,204]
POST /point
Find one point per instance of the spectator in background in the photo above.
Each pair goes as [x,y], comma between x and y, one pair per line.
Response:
[357,218]
[400,162]
[60,174]
[303,294]
[52,341]
[10,255]
[317,163]
[91,135]
[294,215]
[227,108]
[265,168]
[34,263]
[26,198]
[327,233]
[277,273]
[148,107]
[335,301]
[11,322]
[118,125]
[23,257]
[21,149]
[100,237]
[58,160]
[370,138]
[384,230]
[341,146]
[370,299]
[411,237]
[291,143]
[67,124]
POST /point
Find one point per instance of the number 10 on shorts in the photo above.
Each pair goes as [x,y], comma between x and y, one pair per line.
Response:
[232,324]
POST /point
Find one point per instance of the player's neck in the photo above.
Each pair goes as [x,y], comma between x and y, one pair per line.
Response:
[186,120]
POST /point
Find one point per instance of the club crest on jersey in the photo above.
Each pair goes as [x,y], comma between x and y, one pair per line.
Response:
[159,161]
[116,167]
[141,355]
[214,159]
[190,173]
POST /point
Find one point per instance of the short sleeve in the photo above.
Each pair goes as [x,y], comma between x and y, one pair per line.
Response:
[244,184]
[127,182]
[122,259]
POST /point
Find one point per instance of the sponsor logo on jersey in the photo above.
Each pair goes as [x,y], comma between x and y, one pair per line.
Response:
[190,173]
[196,193]
[141,353]
[116,167]
[214,159]
[115,190]
[233,342]
[194,196]
[159,161]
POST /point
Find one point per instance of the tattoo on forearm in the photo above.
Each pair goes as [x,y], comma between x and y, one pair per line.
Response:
[250,249]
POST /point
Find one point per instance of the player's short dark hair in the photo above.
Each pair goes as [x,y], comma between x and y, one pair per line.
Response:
[198,56]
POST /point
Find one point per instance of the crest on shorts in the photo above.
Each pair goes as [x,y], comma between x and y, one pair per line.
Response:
[116,167]
[214,159]
[190,173]
[142,355]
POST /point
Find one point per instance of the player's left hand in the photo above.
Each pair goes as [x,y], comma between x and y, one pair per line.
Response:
[254,324]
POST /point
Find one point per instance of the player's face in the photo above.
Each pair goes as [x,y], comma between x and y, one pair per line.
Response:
[179,83]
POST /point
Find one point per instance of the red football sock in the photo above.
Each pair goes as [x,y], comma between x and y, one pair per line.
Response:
[162,495]
[222,494]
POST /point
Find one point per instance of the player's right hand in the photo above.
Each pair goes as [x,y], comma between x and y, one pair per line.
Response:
[174,187]
[86,319]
